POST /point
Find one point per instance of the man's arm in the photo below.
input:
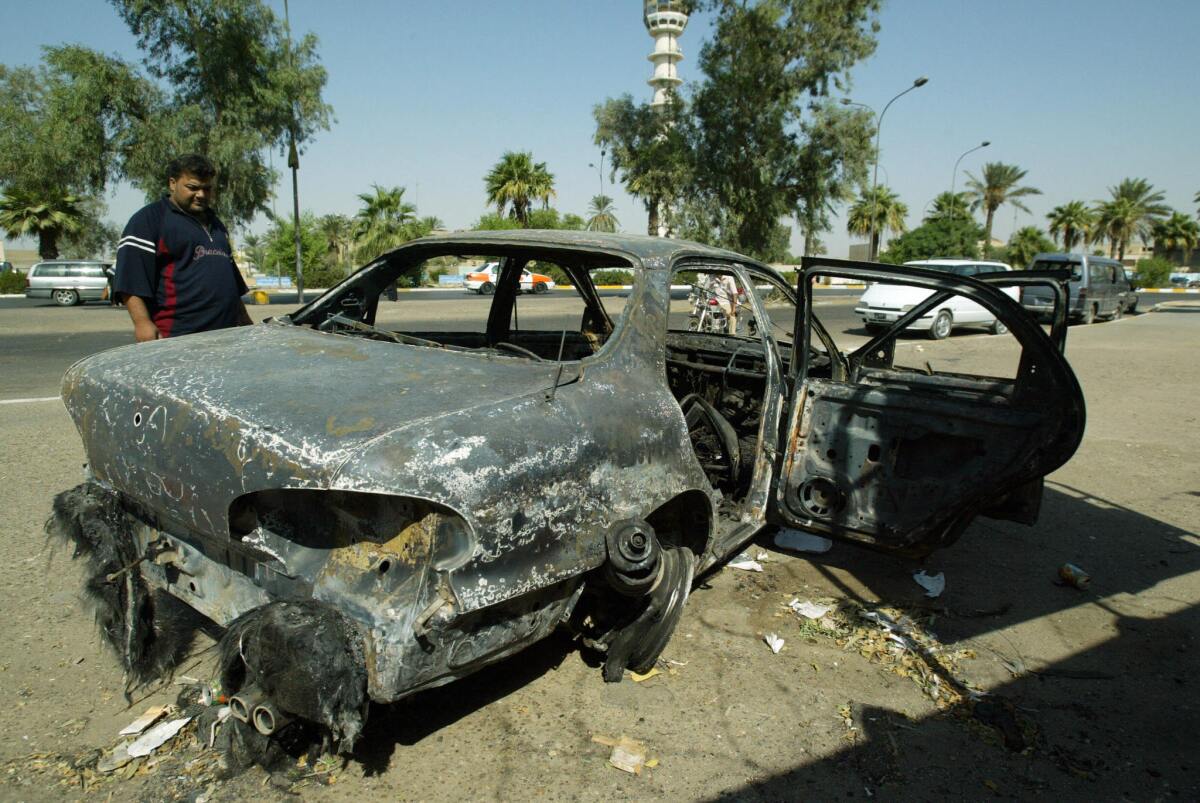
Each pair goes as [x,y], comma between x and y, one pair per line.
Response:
[143,328]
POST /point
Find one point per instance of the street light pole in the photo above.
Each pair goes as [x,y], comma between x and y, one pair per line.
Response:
[954,175]
[920,82]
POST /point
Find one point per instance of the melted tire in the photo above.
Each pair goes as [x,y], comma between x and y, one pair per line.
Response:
[639,643]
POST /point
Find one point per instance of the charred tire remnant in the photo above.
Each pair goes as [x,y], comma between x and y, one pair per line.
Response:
[299,660]
[150,632]
[634,564]
[637,645]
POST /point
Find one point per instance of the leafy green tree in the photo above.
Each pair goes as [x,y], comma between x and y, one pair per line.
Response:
[516,182]
[883,207]
[493,221]
[383,222]
[831,161]
[1154,272]
[763,60]
[65,129]
[1132,211]
[280,255]
[601,214]
[46,216]
[1177,234]
[1024,244]
[944,237]
[649,150]
[951,206]
[572,222]
[998,186]
[1073,220]
[239,87]
[95,238]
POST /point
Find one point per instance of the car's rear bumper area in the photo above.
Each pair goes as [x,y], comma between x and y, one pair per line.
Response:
[873,316]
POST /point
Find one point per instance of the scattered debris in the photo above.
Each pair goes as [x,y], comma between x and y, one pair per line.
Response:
[745,563]
[798,541]
[638,678]
[761,556]
[934,584]
[154,738]
[809,610]
[628,755]
[774,642]
[151,715]
[1074,576]
[118,757]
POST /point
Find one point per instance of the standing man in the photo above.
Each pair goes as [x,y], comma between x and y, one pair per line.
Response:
[175,268]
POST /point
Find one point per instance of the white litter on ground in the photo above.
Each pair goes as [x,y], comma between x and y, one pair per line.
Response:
[798,541]
[809,610]
[152,715]
[154,738]
[774,642]
[744,563]
[934,584]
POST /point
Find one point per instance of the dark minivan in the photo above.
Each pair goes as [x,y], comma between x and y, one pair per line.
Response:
[1099,287]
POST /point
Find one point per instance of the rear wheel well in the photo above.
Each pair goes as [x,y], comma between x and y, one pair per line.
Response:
[685,520]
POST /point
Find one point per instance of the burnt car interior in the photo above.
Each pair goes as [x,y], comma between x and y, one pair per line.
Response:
[353,308]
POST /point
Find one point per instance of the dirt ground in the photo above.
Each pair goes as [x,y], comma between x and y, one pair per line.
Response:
[1089,694]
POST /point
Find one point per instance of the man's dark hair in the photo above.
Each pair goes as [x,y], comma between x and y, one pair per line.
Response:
[199,166]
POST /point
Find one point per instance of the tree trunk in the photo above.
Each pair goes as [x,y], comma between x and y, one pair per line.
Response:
[652,222]
[987,230]
[48,243]
[874,255]
[808,242]
[1121,249]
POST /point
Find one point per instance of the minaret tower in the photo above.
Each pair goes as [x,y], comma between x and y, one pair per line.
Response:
[665,21]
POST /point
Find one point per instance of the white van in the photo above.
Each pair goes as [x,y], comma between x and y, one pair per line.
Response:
[883,304]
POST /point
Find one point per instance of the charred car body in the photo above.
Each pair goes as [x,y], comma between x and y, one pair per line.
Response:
[371,512]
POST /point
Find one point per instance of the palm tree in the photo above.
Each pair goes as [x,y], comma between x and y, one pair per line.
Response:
[884,207]
[1177,233]
[1024,244]
[339,233]
[1133,210]
[46,215]
[383,222]
[950,206]
[998,187]
[602,217]
[1074,220]
[516,182]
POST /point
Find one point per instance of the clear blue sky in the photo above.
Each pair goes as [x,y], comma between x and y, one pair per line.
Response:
[1081,93]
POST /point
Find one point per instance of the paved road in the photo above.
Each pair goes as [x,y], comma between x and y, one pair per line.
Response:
[40,340]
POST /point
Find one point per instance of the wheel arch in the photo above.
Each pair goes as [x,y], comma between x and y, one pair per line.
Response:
[684,520]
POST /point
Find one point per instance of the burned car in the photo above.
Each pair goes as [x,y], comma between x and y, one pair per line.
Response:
[369,510]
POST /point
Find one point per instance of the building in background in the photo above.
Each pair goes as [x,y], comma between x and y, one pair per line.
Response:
[665,21]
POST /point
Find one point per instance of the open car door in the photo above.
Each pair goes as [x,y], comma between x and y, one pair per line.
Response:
[902,459]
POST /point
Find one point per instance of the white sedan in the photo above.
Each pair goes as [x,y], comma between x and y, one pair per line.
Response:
[483,281]
[884,304]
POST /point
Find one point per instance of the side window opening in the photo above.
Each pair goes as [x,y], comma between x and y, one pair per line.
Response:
[515,304]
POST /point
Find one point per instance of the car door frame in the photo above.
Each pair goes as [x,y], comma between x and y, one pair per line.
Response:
[1044,392]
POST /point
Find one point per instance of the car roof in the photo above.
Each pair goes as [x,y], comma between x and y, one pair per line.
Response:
[655,253]
[943,261]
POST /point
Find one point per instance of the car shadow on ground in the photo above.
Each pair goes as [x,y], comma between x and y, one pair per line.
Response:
[1113,719]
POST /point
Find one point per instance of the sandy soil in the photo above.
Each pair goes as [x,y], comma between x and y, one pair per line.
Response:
[1090,694]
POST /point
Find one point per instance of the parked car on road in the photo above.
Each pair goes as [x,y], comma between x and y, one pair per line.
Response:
[884,304]
[370,511]
[1099,287]
[483,281]
[68,282]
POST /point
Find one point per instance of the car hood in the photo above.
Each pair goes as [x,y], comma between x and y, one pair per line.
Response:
[185,425]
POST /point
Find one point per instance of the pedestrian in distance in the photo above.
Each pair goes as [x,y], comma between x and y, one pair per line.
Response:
[175,267]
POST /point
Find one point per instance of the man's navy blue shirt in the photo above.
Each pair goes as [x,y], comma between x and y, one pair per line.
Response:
[185,274]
